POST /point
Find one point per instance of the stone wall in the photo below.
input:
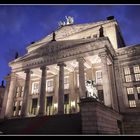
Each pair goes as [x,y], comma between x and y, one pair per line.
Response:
[131,123]
[98,118]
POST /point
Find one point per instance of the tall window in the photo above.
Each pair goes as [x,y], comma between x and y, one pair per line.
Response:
[22,91]
[66,103]
[19,108]
[35,87]
[127,74]
[50,85]
[99,77]
[66,82]
[131,97]
[15,108]
[34,106]
[19,91]
[137,72]
[138,91]
[49,107]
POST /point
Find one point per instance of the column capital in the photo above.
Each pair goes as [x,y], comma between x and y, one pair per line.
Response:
[81,59]
[44,68]
[61,64]
[103,55]
[12,76]
[28,71]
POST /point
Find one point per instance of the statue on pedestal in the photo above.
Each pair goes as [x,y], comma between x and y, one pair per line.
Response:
[91,89]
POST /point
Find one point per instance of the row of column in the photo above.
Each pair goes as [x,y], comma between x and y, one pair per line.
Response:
[82,89]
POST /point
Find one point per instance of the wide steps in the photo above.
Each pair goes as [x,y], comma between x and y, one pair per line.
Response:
[57,124]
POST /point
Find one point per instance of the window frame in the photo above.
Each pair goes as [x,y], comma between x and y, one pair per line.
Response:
[35,90]
[99,80]
[50,85]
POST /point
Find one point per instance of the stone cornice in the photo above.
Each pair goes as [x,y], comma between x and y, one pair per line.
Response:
[128,50]
[47,55]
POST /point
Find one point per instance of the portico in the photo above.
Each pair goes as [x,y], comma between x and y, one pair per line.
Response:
[52,88]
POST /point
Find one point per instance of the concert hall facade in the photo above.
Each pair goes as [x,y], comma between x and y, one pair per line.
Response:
[50,78]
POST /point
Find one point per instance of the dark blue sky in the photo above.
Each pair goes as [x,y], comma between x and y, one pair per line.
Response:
[22,24]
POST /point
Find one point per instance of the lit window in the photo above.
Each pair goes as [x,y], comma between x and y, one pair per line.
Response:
[136,69]
[132,103]
[130,91]
[137,77]
[15,108]
[126,70]
[19,109]
[22,91]
[66,82]
[35,87]
[131,97]
[19,91]
[137,72]
[50,86]
[138,91]
[127,74]
[128,78]
[99,77]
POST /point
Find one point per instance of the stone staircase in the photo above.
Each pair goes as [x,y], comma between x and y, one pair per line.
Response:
[131,123]
[46,125]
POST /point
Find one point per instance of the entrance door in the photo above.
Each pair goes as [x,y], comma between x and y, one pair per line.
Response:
[34,106]
[66,104]
[49,107]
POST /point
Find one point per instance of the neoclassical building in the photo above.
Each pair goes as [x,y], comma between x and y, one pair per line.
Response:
[50,78]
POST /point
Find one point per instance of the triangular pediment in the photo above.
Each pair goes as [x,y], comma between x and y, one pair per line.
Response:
[67,33]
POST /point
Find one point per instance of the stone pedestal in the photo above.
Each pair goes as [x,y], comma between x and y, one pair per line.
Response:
[98,118]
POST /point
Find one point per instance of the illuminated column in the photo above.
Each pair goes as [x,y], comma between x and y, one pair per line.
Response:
[61,88]
[82,87]
[42,91]
[24,109]
[10,95]
[106,83]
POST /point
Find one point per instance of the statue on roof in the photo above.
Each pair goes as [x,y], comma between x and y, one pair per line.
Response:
[16,55]
[53,36]
[61,23]
[2,84]
[101,31]
[69,20]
